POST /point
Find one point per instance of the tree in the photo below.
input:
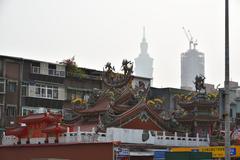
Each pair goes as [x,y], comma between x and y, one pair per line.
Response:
[72,69]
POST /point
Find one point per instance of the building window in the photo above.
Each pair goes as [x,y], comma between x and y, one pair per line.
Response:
[71,94]
[36,68]
[12,86]
[43,91]
[1,99]
[2,86]
[49,92]
[1,108]
[38,90]
[24,89]
[55,92]
[1,68]
[27,111]
[11,111]
[52,70]
[62,73]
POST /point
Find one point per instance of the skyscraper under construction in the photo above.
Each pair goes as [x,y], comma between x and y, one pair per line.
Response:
[192,64]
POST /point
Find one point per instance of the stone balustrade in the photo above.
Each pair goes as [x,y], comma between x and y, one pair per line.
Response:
[134,136]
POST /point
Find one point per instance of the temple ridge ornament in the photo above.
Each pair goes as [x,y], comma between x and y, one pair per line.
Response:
[117,80]
[127,67]
[199,83]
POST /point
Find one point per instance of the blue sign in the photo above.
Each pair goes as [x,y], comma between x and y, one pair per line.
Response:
[123,152]
[195,150]
[159,154]
[233,151]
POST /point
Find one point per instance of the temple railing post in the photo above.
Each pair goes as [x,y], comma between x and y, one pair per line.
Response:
[79,134]
[186,138]
[164,137]
[175,139]
[208,139]
[197,139]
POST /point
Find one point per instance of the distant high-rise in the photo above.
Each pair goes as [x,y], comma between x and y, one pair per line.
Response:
[192,64]
[144,63]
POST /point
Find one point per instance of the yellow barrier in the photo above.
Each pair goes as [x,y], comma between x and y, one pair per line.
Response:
[217,151]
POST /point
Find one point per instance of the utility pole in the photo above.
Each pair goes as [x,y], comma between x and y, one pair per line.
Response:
[226,86]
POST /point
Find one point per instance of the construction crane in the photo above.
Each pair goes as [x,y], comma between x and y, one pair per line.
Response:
[190,39]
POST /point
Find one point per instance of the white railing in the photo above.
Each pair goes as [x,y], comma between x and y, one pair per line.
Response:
[137,136]
[134,136]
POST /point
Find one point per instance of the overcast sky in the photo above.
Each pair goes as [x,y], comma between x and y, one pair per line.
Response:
[97,31]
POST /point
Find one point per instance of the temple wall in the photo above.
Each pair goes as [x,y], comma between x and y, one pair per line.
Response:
[85,151]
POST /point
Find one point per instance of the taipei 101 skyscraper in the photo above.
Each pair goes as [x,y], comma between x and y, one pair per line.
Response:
[144,63]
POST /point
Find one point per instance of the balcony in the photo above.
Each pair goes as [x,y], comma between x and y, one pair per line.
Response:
[54,72]
[43,91]
[46,71]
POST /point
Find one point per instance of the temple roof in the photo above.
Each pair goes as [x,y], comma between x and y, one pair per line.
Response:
[205,118]
[198,103]
[55,129]
[41,117]
[101,106]
[20,131]
[120,108]
[136,111]
[124,97]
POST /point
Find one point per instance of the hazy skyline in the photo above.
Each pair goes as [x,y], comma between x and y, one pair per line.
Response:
[98,31]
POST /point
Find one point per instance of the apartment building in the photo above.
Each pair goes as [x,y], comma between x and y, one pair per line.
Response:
[10,89]
[29,86]
[42,87]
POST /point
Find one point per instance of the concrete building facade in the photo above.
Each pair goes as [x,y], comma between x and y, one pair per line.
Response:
[234,103]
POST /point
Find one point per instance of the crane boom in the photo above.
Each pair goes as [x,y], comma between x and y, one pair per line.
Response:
[190,40]
[186,33]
